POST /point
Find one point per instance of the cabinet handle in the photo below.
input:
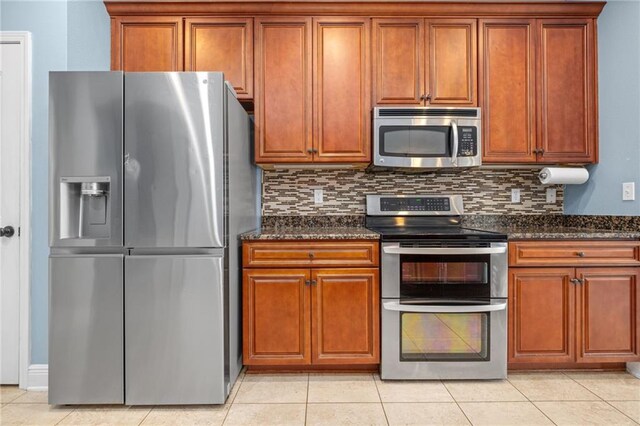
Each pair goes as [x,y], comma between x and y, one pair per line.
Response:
[314,282]
[539,151]
[311,255]
[575,281]
[307,282]
[580,254]
[310,150]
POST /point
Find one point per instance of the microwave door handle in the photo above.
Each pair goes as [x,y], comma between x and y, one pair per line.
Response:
[454,153]
[396,249]
[440,309]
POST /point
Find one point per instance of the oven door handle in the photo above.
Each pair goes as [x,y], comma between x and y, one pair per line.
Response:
[435,309]
[396,249]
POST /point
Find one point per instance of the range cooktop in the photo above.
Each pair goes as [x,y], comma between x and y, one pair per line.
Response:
[422,217]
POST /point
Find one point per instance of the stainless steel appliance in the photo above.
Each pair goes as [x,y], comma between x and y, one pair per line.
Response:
[151,182]
[426,137]
[444,290]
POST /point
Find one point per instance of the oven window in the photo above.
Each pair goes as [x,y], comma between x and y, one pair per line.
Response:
[444,337]
[415,141]
[451,276]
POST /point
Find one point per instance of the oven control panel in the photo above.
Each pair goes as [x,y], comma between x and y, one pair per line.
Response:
[420,204]
[414,205]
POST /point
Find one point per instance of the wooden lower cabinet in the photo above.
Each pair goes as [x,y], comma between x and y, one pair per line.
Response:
[276,319]
[607,314]
[541,315]
[573,315]
[344,316]
[325,314]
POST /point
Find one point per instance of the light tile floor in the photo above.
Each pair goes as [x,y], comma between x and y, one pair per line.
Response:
[363,399]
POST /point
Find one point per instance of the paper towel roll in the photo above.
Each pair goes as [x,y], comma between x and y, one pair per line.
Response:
[563,175]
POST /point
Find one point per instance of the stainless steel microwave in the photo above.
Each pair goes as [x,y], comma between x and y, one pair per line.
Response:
[427,137]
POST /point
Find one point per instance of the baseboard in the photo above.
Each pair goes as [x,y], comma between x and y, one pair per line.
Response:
[634,368]
[38,377]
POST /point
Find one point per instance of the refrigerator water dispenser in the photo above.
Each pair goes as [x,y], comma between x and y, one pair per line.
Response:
[85,204]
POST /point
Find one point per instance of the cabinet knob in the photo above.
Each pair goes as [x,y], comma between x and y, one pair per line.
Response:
[580,254]
[307,282]
[311,255]
[314,282]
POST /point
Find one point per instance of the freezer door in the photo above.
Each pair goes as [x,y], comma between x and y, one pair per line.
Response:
[174,330]
[86,353]
[174,160]
[85,159]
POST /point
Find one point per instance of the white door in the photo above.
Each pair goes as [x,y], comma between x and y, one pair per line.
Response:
[12,76]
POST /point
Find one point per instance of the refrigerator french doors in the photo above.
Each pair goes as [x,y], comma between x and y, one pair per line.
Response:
[137,235]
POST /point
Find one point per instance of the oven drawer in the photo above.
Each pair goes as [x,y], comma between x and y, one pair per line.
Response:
[568,253]
[259,254]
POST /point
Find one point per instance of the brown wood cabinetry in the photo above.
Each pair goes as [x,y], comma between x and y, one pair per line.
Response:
[567,114]
[342,120]
[314,315]
[314,69]
[222,44]
[575,313]
[146,43]
[538,90]
[317,117]
[418,61]
[283,103]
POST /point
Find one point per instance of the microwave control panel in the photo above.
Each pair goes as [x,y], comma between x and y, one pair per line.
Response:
[467,141]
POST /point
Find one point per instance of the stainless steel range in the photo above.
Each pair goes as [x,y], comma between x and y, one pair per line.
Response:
[444,290]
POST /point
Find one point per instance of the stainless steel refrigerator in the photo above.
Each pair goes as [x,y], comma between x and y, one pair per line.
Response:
[151,181]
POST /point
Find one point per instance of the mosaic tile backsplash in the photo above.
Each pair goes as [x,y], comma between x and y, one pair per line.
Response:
[485,191]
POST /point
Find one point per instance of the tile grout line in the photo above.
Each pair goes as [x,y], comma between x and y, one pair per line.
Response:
[455,401]
[530,401]
[68,414]
[146,415]
[233,400]
[601,399]
[306,403]
[375,382]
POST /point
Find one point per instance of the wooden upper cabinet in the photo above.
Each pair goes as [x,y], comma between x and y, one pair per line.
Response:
[541,315]
[283,103]
[276,316]
[222,44]
[567,117]
[607,311]
[507,90]
[420,62]
[342,86]
[398,61]
[452,59]
[146,43]
[345,316]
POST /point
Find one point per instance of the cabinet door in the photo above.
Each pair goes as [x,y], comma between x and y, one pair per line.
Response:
[507,90]
[541,315]
[567,103]
[345,323]
[342,113]
[452,58]
[398,60]
[607,312]
[276,317]
[146,43]
[283,90]
[222,44]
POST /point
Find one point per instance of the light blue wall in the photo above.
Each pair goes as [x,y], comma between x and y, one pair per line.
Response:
[65,35]
[619,102]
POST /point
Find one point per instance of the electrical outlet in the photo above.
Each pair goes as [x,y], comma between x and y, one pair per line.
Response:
[318,196]
[515,195]
[551,195]
[628,191]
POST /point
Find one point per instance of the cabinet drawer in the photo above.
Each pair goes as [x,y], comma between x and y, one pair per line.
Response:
[310,254]
[556,253]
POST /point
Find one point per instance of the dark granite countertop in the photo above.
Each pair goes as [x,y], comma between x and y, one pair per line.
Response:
[560,233]
[312,233]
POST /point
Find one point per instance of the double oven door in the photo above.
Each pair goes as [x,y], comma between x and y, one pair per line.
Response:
[444,310]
